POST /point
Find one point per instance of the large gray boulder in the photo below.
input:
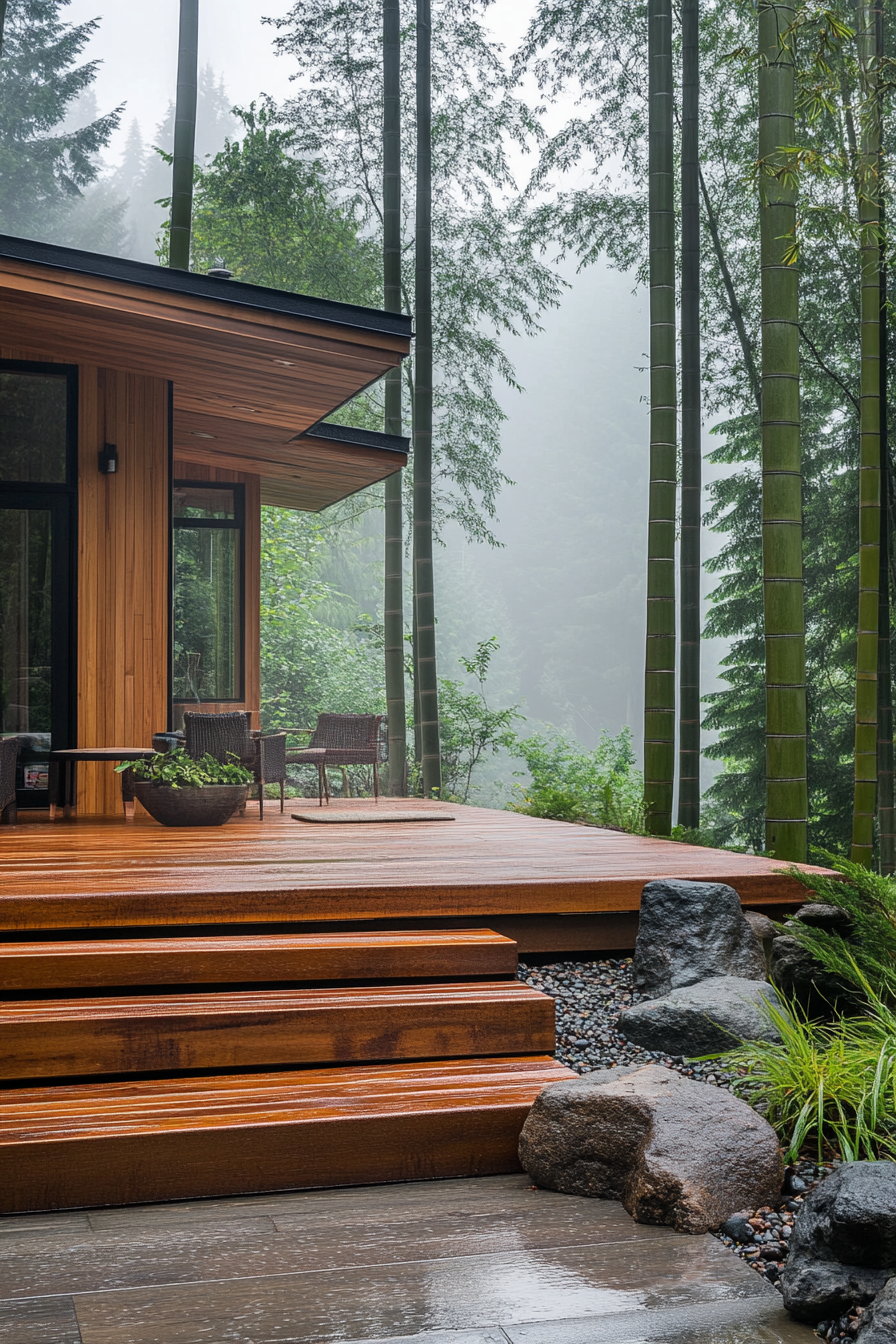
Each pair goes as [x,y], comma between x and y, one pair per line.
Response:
[843,1247]
[674,1151]
[703,1019]
[879,1323]
[692,931]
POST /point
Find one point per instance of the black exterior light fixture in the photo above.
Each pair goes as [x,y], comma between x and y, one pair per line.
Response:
[108,459]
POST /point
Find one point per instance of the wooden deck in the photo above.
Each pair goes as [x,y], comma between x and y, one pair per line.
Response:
[482,866]
[487,1261]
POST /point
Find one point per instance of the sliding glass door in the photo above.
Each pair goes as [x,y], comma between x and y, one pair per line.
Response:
[37,499]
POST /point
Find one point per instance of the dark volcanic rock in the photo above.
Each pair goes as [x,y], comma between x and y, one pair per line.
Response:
[764,930]
[828,917]
[798,975]
[879,1323]
[703,1019]
[843,1248]
[691,931]
[673,1151]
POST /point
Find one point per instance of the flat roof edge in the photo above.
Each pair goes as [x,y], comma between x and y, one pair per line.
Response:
[190,284]
[360,438]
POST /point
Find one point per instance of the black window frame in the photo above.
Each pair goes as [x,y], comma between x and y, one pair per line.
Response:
[60,498]
[235,524]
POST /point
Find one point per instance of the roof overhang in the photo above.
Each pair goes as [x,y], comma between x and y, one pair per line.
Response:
[254,370]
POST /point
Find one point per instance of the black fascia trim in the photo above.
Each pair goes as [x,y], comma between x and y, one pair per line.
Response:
[361,438]
[204,286]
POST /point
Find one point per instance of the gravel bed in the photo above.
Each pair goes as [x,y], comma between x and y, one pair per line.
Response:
[589,997]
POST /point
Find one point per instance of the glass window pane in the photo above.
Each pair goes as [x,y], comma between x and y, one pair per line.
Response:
[194,501]
[206,613]
[25,639]
[32,427]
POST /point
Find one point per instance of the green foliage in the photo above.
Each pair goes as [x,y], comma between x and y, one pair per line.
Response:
[182,772]
[571,784]
[831,1084]
[868,958]
[44,163]
[469,728]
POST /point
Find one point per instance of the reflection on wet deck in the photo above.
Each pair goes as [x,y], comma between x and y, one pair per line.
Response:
[488,1261]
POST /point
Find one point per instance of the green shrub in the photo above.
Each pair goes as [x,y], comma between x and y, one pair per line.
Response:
[570,783]
[868,958]
[181,771]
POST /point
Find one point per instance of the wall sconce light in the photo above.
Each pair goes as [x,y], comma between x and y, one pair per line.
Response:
[108,459]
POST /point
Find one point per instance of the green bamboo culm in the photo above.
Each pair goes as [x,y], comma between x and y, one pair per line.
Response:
[659,680]
[886,813]
[184,136]
[393,586]
[3,7]
[782,526]
[866,738]
[425,635]
[691,456]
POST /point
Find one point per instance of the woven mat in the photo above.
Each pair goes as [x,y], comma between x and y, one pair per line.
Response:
[338,817]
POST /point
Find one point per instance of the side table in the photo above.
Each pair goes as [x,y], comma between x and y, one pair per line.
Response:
[63,793]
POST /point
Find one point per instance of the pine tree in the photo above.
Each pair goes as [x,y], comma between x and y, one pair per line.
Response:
[44,168]
[393,597]
[659,685]
[184,136]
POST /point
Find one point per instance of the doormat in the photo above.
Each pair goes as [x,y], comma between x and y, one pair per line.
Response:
[340,818]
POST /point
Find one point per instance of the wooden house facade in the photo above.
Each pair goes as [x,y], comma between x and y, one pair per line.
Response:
[146,415]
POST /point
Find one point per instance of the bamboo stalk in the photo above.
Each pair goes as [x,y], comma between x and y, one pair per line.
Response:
[393,587]
[866,733]
[691,456]
[782,529]
[431,761]
[659,678]
[184,136]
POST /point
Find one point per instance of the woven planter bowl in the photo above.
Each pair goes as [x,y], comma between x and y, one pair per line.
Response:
[211,805]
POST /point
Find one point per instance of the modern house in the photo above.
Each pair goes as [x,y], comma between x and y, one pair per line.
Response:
[146,415]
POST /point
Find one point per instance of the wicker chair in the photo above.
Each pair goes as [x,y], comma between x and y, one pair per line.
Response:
[227,735]
[9,755]
[341,739]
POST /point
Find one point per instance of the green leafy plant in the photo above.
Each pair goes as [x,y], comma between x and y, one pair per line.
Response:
[867,959]
[601,787]
[468,726]
[180,771]
[831,1084]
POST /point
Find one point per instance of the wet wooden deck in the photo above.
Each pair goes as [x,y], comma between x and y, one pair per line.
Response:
[484,864]
[487,1261]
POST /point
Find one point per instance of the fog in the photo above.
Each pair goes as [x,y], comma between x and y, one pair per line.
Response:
[564,593]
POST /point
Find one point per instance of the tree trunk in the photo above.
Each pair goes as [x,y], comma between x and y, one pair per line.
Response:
[184,136]
[659,679]
[3,6]
[691,456]
[393,594]
[866,744]
[431,762]
[782,526]
[886,816]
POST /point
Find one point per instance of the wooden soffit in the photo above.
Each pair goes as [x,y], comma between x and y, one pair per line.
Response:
[252,368]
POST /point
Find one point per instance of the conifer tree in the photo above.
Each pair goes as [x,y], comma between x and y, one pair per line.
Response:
[393,596]
[659,692]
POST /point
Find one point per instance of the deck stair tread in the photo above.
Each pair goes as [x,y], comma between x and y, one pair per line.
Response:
[239,1029]
[136,1142]
[94,963]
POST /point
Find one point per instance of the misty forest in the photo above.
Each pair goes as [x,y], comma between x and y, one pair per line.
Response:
[658,596]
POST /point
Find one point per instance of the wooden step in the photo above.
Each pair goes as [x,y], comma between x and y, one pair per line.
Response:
[96,964]
[126,1143]
[61,1038]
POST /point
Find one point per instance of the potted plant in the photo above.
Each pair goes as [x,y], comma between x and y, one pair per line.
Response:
[178,791]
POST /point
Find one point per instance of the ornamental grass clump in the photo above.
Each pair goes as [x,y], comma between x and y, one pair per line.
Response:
[183,772]
[832,1084]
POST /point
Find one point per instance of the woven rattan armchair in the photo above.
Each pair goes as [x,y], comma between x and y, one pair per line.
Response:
[226,735]
[341,739]
[9,755]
